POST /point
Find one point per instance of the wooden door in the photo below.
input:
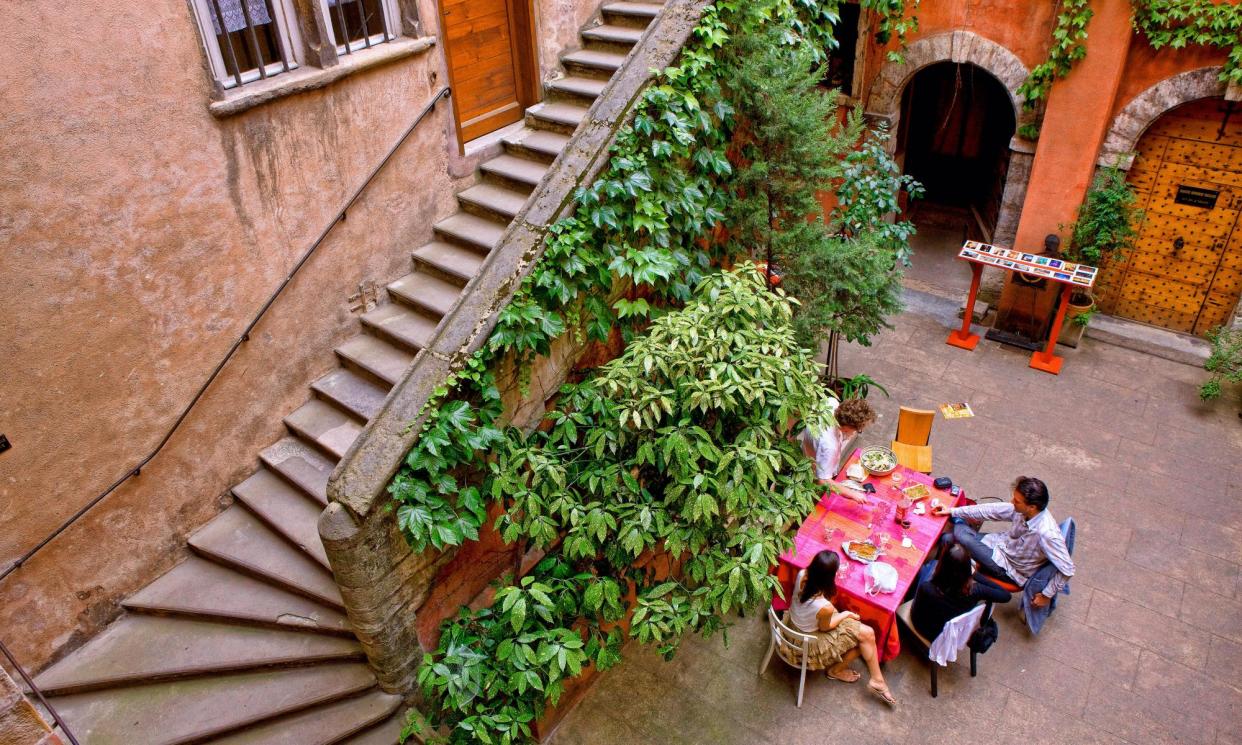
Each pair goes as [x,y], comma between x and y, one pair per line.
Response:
[1185,272]
[490,51]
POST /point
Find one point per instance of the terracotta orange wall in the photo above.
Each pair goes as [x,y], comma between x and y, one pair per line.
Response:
[139,235]
[1023,28]
[1145,67]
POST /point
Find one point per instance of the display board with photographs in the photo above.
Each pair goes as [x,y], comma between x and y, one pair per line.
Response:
[1058,270]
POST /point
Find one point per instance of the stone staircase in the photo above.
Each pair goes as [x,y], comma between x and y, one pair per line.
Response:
[247,641]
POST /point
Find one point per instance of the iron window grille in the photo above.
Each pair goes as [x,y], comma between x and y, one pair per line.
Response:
[359,24]
[247,40]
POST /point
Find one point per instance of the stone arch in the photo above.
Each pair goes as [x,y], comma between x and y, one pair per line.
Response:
[1145,108]
[962,47]
[884,99]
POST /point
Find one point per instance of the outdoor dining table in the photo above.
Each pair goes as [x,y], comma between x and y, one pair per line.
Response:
[837,519]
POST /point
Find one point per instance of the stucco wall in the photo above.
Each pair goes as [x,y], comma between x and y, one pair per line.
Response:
[557,24]
[139,236]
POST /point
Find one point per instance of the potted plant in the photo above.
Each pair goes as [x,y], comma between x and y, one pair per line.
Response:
[1104,231]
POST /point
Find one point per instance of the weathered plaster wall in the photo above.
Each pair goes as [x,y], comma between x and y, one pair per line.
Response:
[557,24]
[139,235]
[1145,67]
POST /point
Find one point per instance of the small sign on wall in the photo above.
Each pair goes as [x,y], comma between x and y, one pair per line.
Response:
[1195,196]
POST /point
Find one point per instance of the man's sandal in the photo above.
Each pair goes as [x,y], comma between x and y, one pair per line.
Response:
[883,694]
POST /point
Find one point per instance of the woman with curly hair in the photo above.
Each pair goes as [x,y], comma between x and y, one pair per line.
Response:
[825,448]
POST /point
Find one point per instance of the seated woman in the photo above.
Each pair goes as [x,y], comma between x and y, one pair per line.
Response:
[950,591]
[839,635]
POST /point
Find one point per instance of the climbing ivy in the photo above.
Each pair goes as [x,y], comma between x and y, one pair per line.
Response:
[1164,23]
[678,445]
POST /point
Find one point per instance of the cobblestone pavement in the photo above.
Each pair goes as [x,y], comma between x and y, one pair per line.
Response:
[1146,649]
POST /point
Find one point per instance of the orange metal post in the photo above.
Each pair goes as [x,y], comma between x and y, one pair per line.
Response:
[962,337]
[1046,360]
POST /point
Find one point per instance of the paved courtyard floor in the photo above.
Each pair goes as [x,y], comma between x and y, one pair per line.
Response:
[1146,649]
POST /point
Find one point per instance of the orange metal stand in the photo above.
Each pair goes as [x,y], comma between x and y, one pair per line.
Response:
[1046,360]
[962,337]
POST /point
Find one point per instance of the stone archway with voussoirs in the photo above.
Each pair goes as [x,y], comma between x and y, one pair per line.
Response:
[964,47]
[1144,109]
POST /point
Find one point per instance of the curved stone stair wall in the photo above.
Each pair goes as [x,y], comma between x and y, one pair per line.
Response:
[247,640]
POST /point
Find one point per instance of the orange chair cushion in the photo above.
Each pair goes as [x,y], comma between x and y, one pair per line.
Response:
[915,457]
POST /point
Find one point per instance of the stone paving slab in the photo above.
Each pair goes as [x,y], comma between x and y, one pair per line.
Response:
[1146,649]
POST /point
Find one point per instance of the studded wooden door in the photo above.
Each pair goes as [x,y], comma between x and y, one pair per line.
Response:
[1185,272]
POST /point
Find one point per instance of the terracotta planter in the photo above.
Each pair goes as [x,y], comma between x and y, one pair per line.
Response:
[1071,332]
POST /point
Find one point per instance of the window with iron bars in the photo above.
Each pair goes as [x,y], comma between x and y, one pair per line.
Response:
[252,40]
[247,40]
[359,24]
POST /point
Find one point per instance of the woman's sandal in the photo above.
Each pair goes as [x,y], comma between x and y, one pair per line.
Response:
[883,694]
[856,676]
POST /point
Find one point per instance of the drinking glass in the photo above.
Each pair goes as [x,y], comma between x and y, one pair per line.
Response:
[843,571]
[897,478]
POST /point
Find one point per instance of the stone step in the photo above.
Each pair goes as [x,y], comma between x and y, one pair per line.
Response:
[432,293]
[285,510]
[612,34]
[323,725]
[324,425]
[197,709]
[239,540]
[377,357]
[578,87]
[385,733]
[593,60]
[142,649]
[630,13]
[351,392]
[472,230]
[401,325]
[449,258]
[200,589]
[518,170]
[300,465]
[497,200]
[537,142]
[558,116]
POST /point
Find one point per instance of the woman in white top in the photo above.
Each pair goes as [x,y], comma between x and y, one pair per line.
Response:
[839,635]
[825,448]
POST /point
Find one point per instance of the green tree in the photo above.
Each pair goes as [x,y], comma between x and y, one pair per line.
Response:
[679,447]
[789,145]
[844,269]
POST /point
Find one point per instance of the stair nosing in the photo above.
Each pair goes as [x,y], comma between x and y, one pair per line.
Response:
[211,734]
[260,574]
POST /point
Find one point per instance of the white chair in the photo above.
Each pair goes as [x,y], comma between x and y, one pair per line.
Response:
[794,645]
[955,636]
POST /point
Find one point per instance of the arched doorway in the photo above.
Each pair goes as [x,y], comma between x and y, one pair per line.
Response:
[954,137]
[1185,272]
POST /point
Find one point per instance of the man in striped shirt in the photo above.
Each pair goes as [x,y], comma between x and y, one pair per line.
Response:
[1033,538]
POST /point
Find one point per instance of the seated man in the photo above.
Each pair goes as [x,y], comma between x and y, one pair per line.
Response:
[852,415]
[1032,539]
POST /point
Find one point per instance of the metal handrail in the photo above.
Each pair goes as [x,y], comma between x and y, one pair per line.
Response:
[64,728]
[444,92]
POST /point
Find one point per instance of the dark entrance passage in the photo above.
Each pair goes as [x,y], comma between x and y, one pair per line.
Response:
[956,125]
[956,128]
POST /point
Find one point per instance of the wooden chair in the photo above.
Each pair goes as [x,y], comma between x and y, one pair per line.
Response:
[913,432]
[792,645]
[903,614]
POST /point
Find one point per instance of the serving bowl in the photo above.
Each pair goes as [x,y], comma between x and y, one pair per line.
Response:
[881,461]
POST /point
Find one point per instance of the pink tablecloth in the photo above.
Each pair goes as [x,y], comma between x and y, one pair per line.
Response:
[836,519]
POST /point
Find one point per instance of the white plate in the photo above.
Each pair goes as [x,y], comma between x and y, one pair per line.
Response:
[846,547]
